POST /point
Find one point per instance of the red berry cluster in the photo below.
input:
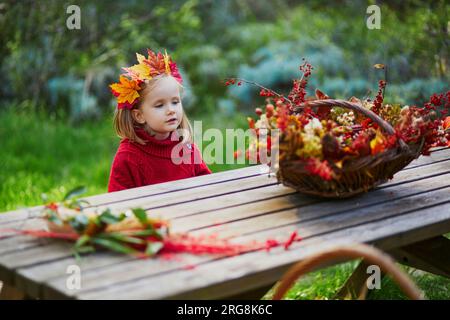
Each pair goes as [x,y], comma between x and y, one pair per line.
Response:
[439,100]
[266,93]
[298,92]
[379,98]
[269,110]
[233,81]
[425,123]
[319,168]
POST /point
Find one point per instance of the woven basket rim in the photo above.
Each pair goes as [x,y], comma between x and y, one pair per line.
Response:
[369,160]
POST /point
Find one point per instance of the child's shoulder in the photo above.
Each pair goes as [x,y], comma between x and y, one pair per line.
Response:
[128,150]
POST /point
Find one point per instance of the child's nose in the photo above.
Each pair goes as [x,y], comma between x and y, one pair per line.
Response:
[170,109]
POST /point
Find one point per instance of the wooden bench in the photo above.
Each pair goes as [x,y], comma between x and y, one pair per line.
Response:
[405,217]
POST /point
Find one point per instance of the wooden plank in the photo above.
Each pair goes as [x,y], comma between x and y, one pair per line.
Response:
[433,169]
[315,212]
[401,177]
[186,184]
[14,244]
[151,190]
[10,293]
[431,255]
[104,199]
[19,215]
[374,201]
[223,201]
[159,200]
[137,270]
[437,156]
[225,277]
[278,203]
[438,149]
[31,280]
[200,193]
[355,287]
[178,185]
[203,192]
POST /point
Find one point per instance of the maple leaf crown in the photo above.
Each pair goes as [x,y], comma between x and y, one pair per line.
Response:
[127,89]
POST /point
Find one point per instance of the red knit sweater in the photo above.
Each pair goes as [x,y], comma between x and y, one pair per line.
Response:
[137,165]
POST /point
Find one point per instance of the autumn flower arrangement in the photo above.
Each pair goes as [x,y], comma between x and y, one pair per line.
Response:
[337,148]
[131,232]
[127,89]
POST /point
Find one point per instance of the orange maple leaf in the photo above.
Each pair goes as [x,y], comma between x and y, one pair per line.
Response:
[156,62]
[126,92]
[446,123]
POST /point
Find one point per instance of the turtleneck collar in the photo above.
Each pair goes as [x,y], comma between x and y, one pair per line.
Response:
[161,148]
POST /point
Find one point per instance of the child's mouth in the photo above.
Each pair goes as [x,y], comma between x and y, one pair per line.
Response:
[171,120]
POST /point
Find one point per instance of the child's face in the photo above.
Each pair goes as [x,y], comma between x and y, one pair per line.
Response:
[161,108]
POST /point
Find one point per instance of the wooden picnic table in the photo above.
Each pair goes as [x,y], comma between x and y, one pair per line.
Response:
[406,217]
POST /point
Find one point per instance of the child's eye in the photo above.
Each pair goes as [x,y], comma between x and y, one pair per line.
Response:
[158,106]
[175,102]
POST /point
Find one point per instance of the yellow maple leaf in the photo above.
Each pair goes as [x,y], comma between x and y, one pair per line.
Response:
[378,144]
[140,58]
[166,62]
[139,71]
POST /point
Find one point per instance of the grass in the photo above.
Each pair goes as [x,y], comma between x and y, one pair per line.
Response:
[41,155]
[325,283]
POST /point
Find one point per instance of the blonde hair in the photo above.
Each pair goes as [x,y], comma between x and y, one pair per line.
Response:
[125,124]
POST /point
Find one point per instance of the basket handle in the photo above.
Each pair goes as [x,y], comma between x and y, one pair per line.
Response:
[369,253]
[386,126]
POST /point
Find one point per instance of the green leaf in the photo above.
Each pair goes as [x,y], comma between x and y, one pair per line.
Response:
[141,215]
[85,249]
[153,248]
[81,250]
[82,241]
[113,245]
[162,232]
[122,216]
[144,233]
[53,217]
[74,192]
[120,237]
[79,222]
[77,204]
[108,218]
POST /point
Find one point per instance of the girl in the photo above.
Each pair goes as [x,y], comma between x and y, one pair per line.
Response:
[153,127]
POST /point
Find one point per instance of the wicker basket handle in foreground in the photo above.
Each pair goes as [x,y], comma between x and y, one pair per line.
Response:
[386,126]
[369,253]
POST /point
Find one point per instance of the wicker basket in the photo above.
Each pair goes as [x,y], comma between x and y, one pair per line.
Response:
[354,177]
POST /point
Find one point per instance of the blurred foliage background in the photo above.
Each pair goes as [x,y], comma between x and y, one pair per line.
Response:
[56,109]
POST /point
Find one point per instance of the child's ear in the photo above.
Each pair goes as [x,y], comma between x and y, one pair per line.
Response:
[137,116]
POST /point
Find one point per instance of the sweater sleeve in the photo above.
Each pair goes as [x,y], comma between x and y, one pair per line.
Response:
[124,173]
[200,168]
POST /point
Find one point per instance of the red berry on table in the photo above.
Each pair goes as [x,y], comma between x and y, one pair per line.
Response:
[258,111]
